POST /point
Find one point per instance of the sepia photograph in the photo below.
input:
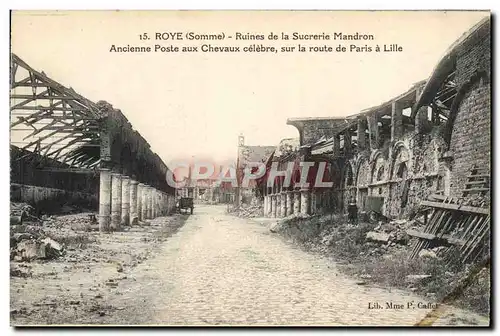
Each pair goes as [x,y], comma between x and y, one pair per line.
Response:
[285,168]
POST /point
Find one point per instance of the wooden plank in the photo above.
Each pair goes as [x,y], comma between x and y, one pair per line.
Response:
[49,108]
[478,175]
[475,189]
[476,182]
[465,208]
[469,235]
[40,96]
[430,236]
[476,240]
[440,197]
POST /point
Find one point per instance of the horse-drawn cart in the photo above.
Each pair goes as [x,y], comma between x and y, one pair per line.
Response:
[185,203]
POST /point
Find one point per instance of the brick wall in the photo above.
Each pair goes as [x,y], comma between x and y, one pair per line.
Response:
[470,140]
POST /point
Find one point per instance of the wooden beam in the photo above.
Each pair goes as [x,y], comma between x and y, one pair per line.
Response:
[465,208]
[69,170]
[430,236]
[28,99]
[72,142]
[40,96]
[50,108]
[475,189]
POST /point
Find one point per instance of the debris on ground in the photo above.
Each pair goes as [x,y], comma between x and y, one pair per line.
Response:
[379,250]
[31,249]
[248,211]
[60,267]
[21,212]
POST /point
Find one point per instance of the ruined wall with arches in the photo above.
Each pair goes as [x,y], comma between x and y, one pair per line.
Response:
[403,175]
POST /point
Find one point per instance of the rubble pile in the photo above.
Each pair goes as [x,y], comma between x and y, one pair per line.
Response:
[387,236]
[28,247]
[45,237]
[20,212]
[76,222]
[251,211]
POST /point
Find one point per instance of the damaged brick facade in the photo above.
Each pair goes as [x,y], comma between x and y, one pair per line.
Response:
[425,141]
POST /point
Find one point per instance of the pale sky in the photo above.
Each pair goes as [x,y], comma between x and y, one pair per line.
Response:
[197,104]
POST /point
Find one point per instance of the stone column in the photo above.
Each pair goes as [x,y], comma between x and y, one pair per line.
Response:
[421,120]
[116,201]
[397,121]
[347,142]
[163,203]
[269,206]
[283,204]
[274,205]
[144,201]
[278,205]
[289,203]
[296,201]
[140,191]
[373,130]
[305,201]
[168,204]
[266,205]
[134,217]
[361,134]
[149,201]
[421,116]
[104,200]
[161,206]
[125,201]
[154,203]
[314,198]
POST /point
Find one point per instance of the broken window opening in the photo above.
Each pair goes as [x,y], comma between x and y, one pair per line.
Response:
[349,176]
[380,174]
[402,170]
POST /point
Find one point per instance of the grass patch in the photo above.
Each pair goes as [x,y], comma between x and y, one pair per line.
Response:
[388,265]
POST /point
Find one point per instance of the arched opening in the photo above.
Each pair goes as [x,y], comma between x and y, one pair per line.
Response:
[349,178]
[402,171]
[400,189]
[380,174]
[363,179]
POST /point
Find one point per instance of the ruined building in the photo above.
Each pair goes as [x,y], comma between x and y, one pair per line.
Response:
[67,149]
[432,139]
[246,159]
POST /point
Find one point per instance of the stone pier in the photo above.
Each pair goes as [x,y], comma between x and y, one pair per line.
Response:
[313,202]
[134,217]
[269,206]
[274,203]
[305,201]
[265,205]
[283,204]
[289,203]
[149,202]
[125,219]
[296,201]
[116,201]
[104,200]
[144,202]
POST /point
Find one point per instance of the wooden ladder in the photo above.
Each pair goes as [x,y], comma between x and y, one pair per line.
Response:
[478,182]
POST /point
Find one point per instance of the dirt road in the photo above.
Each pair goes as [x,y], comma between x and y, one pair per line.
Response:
[222,270]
